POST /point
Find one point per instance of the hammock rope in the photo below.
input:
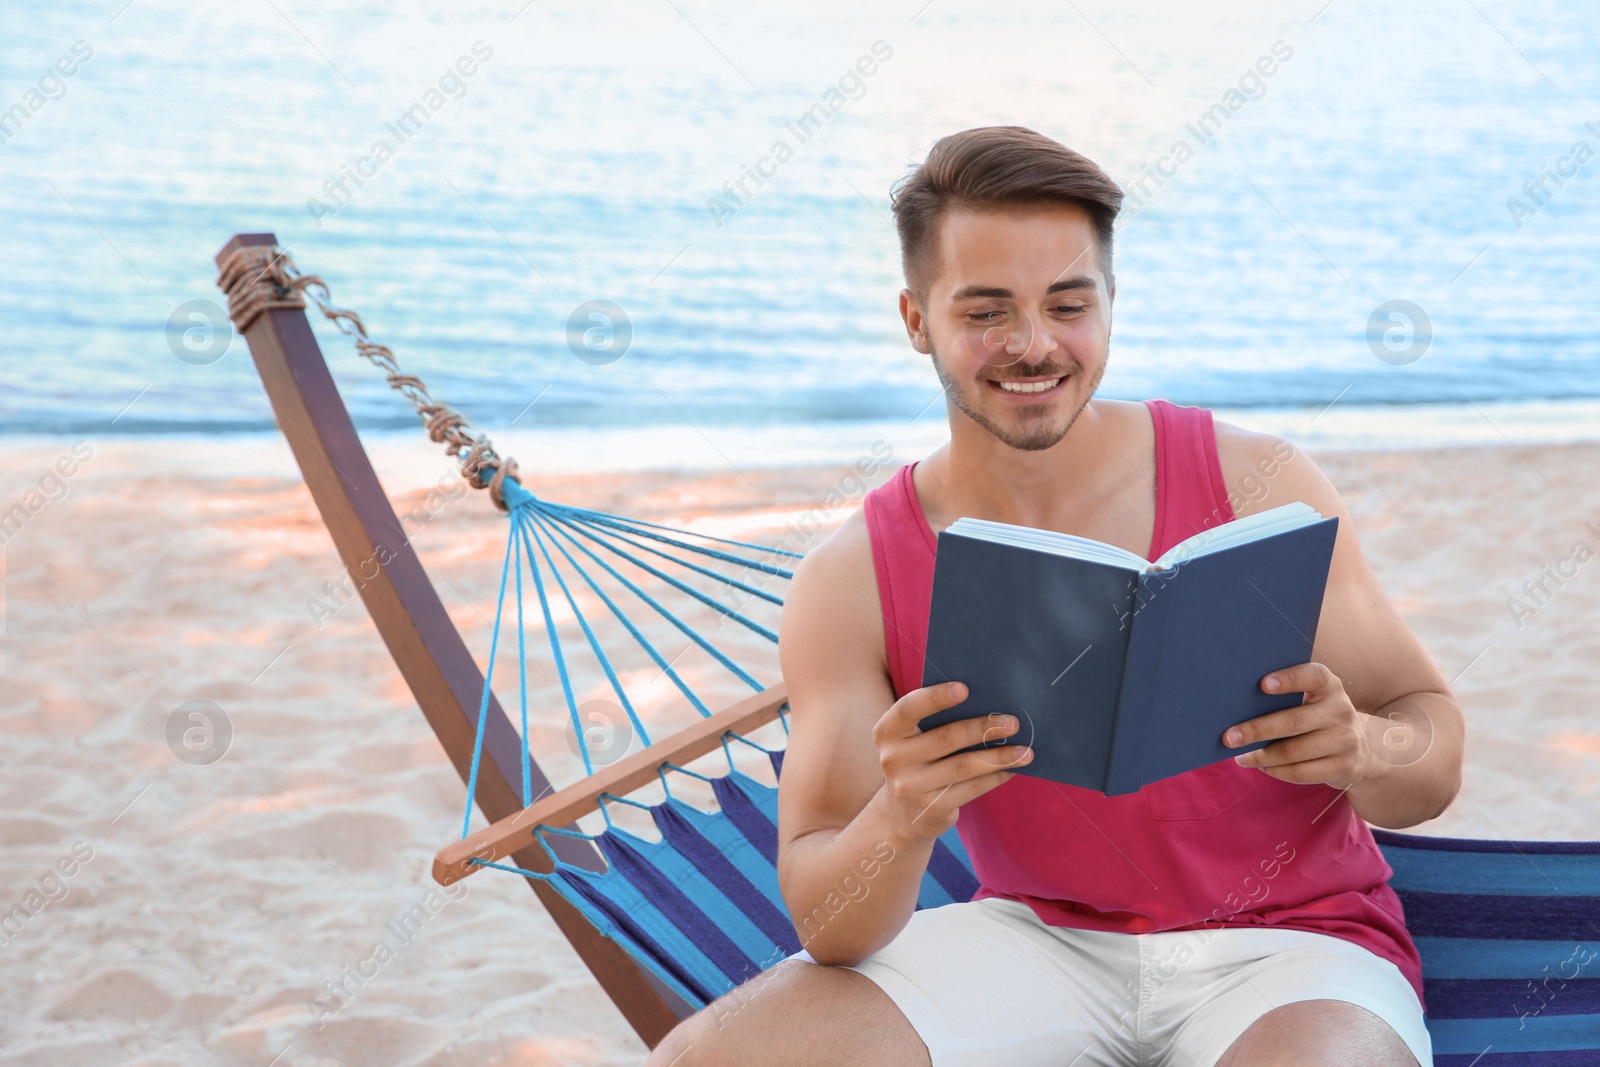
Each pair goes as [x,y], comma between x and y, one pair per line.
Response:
[639,638]
[714,575]
[483,701]
[619,520]
[594,644]
[667,613]
[258,278]
[710,602]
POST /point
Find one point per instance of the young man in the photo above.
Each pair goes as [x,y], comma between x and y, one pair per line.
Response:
[1235,914]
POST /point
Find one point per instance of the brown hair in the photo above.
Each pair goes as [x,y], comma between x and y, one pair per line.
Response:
[996,167]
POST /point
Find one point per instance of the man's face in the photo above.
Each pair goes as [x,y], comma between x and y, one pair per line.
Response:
[1017,319]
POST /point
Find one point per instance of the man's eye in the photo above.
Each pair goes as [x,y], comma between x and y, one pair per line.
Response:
[984,316]
[1073,308]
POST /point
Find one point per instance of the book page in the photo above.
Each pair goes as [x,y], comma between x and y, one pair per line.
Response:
[1240,531]
[1059,544]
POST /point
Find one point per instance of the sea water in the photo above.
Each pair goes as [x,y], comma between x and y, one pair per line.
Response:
[1362,223]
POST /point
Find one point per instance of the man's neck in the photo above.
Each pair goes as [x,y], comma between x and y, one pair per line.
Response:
[976,474]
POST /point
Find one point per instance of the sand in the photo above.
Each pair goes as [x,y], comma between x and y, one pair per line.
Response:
[207,905]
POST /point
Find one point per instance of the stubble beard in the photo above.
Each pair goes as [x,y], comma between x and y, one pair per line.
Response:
[1033,432]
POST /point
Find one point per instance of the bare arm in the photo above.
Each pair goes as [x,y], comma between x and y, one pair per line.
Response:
[864,793]
[1379,719]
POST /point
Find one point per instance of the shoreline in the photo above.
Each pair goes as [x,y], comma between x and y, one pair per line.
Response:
[686,448]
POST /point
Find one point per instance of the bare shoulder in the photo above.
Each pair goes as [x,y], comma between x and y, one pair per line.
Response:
[844,556]
[1132,410]
[1263,470]
[1360,635]
[833,601]
[1128,420]
[831,648]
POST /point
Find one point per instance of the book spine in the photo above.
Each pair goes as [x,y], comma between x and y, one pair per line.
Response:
[1141,680]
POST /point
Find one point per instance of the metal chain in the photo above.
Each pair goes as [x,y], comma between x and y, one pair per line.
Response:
[260,277]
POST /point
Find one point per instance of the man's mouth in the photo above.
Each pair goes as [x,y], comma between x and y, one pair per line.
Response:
[1028,386]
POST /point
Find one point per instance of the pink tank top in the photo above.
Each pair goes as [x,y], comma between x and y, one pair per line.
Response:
[1220,845]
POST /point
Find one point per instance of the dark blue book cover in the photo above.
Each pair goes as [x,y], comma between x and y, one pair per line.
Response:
[1121,677]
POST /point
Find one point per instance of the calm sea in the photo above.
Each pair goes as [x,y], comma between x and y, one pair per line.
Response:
[1352,204]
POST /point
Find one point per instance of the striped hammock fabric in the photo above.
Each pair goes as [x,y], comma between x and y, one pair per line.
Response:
[700,908]
[1509,933]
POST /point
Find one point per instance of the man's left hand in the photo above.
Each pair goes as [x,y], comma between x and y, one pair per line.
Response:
[1324,740]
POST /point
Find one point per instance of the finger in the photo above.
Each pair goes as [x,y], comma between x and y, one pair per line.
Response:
[903,716]
[1325,771]
[1297,749]
[982,761]
[1312,679]
[1289,722]
[953,736]
[973,788]
[944,800]
[952,770]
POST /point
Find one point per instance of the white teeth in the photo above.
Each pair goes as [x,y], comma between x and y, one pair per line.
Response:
[1029,387]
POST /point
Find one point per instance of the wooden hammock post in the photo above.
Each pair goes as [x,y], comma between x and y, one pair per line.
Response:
[419,633]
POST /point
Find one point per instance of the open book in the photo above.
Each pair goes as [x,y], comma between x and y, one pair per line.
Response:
[1124,671]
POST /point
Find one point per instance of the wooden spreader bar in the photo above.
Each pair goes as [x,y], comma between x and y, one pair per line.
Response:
[514,833]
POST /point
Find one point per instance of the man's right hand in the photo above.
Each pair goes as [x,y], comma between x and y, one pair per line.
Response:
[925,785]
[865,793]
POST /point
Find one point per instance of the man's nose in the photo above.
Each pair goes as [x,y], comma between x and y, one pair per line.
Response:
[1027,336]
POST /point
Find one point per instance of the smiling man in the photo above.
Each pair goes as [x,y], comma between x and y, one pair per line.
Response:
[1235,914]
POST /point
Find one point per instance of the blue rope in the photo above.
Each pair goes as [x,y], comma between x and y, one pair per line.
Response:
[603,516]
[723,578]
[561,668]
[531,520]
[726,751]
[594,642]
[605,798]
[522,668]
[622,617]
[715,605]
[687,630]
[563,831]
[685,770]
[483,705]
[514,870]
[603,520]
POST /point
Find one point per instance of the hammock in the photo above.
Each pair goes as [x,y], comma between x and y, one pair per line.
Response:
[1509,934]
[700,907]
[1508,931]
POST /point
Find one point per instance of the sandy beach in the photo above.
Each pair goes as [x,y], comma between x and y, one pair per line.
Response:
[208,904]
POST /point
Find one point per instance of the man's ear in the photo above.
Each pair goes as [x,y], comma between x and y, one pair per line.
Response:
[916,325]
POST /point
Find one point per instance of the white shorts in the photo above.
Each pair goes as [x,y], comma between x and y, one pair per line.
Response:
[987,982]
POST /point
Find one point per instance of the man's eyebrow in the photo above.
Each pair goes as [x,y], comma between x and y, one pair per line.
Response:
[1061,285]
